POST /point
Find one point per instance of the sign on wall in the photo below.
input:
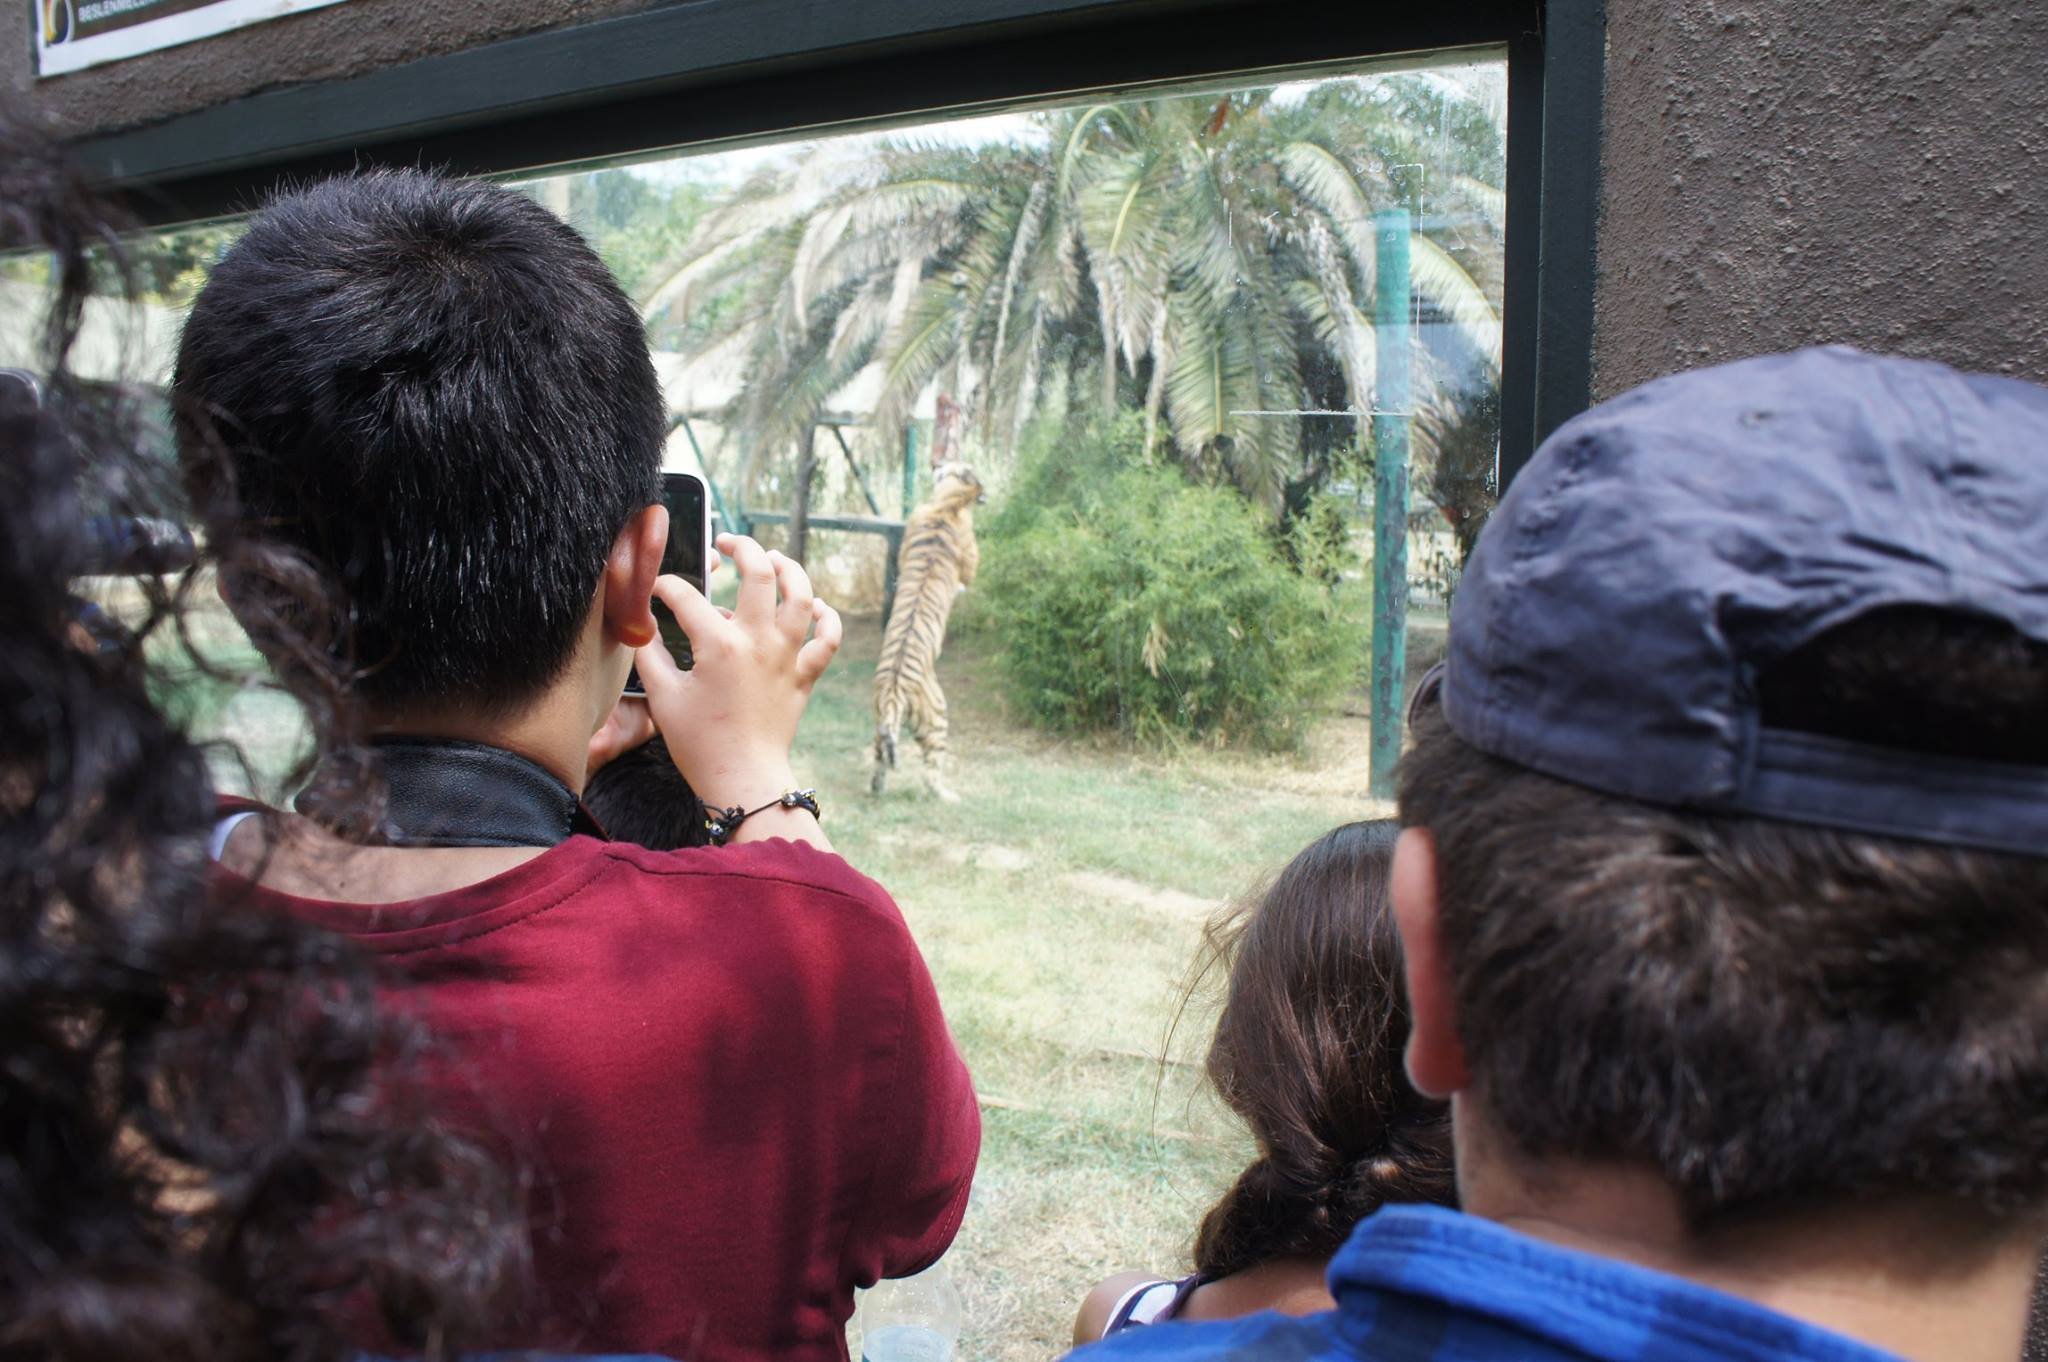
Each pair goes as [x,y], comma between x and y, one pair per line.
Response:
[74,34]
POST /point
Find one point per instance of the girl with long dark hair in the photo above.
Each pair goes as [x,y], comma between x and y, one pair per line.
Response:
[1307,1052]
[207,1150]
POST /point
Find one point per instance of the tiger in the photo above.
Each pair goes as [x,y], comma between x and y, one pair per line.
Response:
[938,558]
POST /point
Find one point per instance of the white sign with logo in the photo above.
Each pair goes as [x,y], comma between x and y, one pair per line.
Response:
[74,34]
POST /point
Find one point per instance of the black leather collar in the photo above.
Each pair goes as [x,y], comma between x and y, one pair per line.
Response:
[440,793]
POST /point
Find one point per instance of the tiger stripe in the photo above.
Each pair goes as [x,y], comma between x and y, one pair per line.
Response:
[938,557]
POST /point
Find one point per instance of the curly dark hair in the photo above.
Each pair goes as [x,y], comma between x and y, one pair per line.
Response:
[1308,1053]
[206,1152]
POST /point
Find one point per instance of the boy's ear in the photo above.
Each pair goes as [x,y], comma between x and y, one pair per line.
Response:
[1436,1056]
[629,574]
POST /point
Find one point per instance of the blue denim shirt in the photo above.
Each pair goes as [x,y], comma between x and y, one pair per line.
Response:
[1422,1284]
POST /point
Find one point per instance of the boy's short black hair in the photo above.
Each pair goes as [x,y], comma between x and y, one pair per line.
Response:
[1772,1015]
[434,390]
[640,797]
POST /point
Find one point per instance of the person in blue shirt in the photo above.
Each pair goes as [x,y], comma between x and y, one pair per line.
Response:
[1721,893]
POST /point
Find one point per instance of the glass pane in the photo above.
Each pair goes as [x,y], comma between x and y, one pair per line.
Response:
[1154,327]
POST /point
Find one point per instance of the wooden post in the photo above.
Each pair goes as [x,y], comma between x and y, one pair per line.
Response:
[1393,406]
[800,513]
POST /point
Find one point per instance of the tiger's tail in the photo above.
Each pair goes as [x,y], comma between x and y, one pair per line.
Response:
[888,727]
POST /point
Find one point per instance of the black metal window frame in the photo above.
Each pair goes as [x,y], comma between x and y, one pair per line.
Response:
[705,71]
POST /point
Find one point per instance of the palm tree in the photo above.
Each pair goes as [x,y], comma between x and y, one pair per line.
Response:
[1208,259]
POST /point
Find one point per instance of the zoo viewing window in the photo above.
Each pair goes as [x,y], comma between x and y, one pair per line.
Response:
[1195,341]
[1159,326]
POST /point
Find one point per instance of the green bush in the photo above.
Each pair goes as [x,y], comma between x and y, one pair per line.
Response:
[1142,605]
[1061,466]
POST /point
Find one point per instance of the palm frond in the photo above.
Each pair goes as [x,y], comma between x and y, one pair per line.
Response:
[1123,219]
[1325,299]
[1022,241]
[1490,201]
[919,346]
[1206,369]
[860,323]
[1161,349]
[1436,275]
[673,288]
[1335,189]
[1023,395]
[1074,141]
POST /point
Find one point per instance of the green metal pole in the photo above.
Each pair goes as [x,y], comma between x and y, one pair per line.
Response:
[909,469]
[1392,405]
[726,523]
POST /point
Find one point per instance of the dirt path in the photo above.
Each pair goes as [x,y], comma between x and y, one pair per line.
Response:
[1111,889]
[1116,889]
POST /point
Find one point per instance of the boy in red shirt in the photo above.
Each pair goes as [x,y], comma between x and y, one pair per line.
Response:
[725,1068]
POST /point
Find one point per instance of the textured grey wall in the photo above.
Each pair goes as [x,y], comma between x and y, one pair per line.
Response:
[343,40]
[1781,172]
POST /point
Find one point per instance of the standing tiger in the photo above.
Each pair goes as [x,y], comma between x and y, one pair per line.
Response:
[938,557]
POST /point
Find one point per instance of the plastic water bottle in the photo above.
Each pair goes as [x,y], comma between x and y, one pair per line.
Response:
[911,1319]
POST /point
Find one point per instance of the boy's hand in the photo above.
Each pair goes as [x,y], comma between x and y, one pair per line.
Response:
[730,720]
[628,726]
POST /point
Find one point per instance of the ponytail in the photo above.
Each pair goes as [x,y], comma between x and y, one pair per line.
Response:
[1308,1053]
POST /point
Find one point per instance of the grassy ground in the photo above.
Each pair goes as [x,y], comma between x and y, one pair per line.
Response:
[1060,906]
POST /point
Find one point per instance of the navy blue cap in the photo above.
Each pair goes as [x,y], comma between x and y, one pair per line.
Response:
[1665,548]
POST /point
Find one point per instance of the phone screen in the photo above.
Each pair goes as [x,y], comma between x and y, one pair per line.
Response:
[683,494]
[684,556]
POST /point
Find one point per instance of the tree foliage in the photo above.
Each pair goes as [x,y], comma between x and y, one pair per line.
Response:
[1133,602]
[1207,260]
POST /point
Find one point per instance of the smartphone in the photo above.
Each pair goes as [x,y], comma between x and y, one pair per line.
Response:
[687,556]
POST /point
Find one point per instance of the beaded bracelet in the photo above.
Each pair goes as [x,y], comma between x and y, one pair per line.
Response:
[721,824]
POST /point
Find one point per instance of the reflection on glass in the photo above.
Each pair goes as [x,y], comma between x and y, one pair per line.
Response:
[1148,323]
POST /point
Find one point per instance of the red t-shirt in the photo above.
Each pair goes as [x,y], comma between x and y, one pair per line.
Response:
[726,1069]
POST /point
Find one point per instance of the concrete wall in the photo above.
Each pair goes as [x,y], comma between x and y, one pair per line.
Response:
[342,40]
[1782,172]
